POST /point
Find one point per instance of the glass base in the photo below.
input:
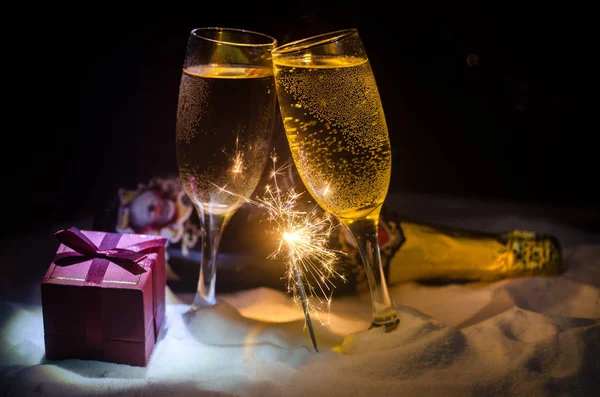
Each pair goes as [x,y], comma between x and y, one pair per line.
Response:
[388,323]
[201,302]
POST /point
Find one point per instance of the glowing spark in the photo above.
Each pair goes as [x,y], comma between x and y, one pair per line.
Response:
[238,163]
[304,238]
[238,160]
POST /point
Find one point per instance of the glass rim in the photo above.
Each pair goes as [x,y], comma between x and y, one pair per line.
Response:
[272,41]
[313,41]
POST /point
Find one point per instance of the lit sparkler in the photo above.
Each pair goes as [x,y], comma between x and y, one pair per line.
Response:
[304,237]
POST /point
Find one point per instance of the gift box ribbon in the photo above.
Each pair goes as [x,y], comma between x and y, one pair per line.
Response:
[84,249]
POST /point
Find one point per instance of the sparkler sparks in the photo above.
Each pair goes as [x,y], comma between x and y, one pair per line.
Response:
[238,161]
[304,237]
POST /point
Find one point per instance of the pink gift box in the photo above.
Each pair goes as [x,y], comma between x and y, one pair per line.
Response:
[97,309]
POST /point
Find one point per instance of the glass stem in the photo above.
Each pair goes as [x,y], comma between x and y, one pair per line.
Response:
[212,229]
[364,232]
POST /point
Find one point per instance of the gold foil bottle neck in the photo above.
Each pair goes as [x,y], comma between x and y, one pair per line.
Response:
[532,253]
[419,252]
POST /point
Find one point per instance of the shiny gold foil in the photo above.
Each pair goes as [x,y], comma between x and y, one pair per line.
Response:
[413,251]
[435,253]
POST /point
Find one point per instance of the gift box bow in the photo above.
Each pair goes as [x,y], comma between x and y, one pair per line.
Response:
[84,249]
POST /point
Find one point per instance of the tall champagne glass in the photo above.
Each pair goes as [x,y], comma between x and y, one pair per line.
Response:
[338,136]
[225,119]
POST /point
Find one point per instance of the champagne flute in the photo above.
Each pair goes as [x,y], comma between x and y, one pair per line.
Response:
[225,121]
[337,133]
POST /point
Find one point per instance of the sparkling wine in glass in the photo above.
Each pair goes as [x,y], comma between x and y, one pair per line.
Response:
[225,120]
[338,137]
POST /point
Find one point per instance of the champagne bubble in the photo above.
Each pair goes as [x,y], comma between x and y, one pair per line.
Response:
[193,94]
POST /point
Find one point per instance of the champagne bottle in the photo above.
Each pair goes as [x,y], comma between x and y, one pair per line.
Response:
[414,251]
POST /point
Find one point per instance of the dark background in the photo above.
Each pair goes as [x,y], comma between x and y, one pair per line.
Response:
[491,104]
